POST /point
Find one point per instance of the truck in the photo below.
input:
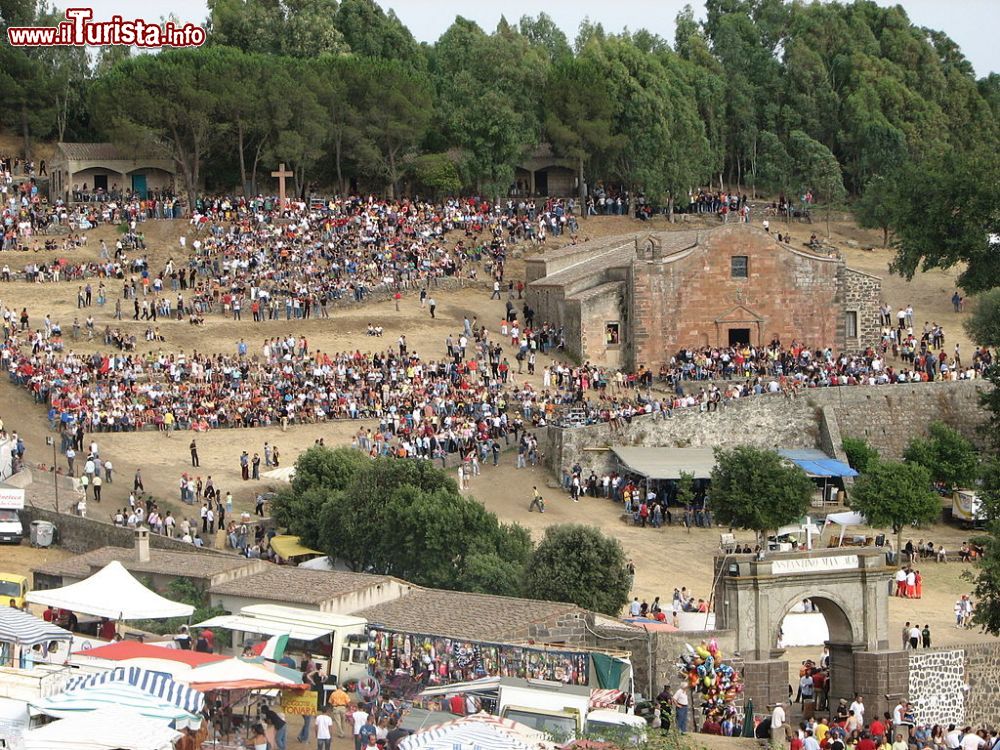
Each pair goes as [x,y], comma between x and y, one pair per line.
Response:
[558,710]
[339,640]
[967,509]
[13,588]
[11,505]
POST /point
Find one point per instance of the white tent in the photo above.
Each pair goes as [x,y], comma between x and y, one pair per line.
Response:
[109,728]
[233,674]
[111,592]
[805,526]
[479,731]
[282,474]
[845,519]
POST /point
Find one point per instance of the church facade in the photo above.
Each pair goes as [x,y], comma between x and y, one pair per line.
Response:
[634,301]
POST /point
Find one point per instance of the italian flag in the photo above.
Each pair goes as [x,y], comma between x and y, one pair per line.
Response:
[273,648]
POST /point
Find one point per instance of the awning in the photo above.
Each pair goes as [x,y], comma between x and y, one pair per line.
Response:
[109,728]
[156,684]
[128,650]
[119,694]
[667,463]
[815,463]
[246,624]
[290,546]
[483,732]
[111,592]
[847,518]
[27,630]
[485,685]
[234,674]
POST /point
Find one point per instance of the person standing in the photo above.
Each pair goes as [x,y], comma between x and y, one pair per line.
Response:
[96,483]
[277,723]
[194,454]
[323,725]
[681,705]
[926,636]
[255,466]
[431,306]
[245,465]
[339,701]
[359,718]
[778,723]
[137,482]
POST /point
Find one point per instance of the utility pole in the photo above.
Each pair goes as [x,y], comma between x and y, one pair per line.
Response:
[55,469]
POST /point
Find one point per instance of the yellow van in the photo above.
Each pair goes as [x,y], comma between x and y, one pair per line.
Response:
[13,587]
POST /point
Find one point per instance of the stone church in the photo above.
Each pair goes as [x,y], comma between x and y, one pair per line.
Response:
[633,301]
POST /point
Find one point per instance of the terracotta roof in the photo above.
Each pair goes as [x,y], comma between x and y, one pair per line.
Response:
[106,152]
[285,583]
[195,564]
[460,615]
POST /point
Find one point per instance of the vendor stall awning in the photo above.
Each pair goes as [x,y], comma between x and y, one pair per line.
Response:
[121,694]
[109,728]
[157,684]
[667,463]
[111,592]
[235,674]
[27,630]
[290,546]
[128,650]
[816,463]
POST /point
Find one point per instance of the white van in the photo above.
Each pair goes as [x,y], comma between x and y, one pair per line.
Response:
[11,505]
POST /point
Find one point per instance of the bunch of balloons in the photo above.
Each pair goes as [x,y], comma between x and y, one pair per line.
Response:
[707,675]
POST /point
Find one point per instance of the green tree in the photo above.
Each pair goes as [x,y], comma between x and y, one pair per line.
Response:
[946,214]
[171,100]
[874,209]
[754,488]
[578,564]
[541,31]
[437,174]
[983,325]
[950,459]
[685,488]
[372,32]
[395,110]
[894,494]
[578,113]
[860,455]
[298,28]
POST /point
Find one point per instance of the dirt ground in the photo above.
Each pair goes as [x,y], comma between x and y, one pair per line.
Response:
[666,558]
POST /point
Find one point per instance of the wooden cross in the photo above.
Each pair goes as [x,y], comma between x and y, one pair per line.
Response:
[281,174]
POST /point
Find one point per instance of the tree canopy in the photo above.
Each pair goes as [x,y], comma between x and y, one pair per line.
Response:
[896,494]
[578,564]
[763,94]
[951,459]
[408,519]
[757,489]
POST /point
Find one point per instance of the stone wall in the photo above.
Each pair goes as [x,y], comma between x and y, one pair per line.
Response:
[982,675]
[85,534]
[860,293]
[887,416]
[936,686]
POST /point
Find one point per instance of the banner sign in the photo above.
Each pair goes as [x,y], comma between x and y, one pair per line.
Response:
[814,564]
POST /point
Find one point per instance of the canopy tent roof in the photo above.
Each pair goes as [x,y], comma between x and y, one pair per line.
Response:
[668,463]
[156,684]
[114,593]
[847,518]
[233,674]
[479,731]
[816,463]
[274,619]
[129,650]
[804,526]
[120,694]
[27,630]
[283,474]
[108,728]
[288,546]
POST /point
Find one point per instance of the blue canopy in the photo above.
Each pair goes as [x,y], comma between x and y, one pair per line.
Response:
[815,463]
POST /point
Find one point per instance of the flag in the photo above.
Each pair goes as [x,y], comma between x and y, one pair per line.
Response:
[273,648]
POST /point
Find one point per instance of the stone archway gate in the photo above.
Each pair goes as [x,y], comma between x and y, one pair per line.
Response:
[849,586]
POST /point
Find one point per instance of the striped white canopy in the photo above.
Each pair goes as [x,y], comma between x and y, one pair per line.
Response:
[158,684]
[115,694]
[476,732]
[27,630]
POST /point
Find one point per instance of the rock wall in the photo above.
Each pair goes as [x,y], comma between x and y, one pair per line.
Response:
[887,416]
[936,686]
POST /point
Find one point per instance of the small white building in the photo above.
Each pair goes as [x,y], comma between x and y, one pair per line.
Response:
[95,171]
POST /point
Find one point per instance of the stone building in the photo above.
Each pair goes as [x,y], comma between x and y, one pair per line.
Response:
[88,168]
[635,300]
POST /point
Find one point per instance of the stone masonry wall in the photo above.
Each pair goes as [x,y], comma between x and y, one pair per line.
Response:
[936,683]
[861,293]
[887,416]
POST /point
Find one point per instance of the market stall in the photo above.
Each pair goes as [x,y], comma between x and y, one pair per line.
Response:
[110,728]
[26,640]
[114,593]
[158,657]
